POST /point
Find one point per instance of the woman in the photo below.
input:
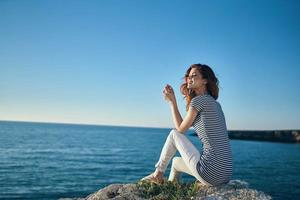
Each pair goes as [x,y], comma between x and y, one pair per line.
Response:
[213,166]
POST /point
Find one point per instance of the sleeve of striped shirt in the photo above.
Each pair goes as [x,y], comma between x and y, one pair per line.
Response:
[198,103]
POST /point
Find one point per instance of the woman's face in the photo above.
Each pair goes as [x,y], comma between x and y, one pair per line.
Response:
[195,80]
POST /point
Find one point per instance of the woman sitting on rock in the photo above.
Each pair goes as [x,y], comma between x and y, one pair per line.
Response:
[213,166]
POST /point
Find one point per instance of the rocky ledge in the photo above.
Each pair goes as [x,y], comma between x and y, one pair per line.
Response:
[234,190]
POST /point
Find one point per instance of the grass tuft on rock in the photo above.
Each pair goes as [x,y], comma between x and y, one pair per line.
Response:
[167,191]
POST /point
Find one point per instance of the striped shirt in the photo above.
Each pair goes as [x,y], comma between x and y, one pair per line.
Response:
[215,164]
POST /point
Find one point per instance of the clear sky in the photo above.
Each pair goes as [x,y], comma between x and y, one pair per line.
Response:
[106,62]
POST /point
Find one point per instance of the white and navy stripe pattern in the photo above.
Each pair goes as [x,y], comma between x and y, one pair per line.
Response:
[215,165]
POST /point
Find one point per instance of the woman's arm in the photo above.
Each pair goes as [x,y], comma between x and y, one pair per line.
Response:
[181,125]
[177,119]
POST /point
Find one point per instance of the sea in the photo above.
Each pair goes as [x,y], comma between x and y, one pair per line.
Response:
[51,161]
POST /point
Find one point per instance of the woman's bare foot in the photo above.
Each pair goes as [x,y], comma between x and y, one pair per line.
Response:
[159,174]
[156,177]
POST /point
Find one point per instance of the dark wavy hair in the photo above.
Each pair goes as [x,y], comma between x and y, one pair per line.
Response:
[207,73]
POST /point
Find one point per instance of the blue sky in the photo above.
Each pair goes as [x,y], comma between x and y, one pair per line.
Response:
[106,62]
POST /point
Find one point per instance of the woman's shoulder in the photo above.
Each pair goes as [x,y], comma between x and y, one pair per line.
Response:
[202,101]
[202,97]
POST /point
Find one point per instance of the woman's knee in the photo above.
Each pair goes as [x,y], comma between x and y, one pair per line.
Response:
[173,132]
[176,162]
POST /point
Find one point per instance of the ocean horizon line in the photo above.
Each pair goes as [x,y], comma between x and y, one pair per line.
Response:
[131,126]
[85,124]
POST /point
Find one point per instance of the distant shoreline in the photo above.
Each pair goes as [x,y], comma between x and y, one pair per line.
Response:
[286,136]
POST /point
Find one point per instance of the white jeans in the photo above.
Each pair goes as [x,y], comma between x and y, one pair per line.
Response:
[186,163]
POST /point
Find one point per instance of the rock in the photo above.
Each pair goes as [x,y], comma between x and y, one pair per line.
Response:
[116,192]
[234,190]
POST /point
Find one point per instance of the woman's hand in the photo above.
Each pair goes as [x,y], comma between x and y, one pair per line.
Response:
[169,94]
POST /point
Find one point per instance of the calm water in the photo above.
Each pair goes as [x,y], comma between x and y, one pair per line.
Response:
[51,161]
